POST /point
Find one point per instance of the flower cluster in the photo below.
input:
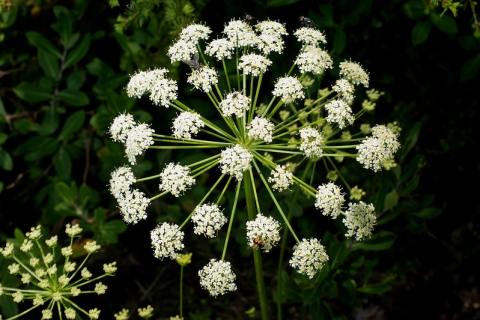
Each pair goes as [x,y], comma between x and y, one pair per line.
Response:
[175,179]
[378,148]
[309,256]
[132,203]
[208,219]
[166,240]
[329,199]
[263,233]
[217,277]
[52,279]
[249,137]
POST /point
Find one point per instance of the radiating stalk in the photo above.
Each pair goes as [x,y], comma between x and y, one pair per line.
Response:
[257,256]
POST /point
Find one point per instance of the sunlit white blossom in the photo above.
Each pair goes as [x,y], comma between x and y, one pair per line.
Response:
[270,43]
[208,219]
[345,90]
[121,180]
[253,64]
[310,36]
[354,73]
[314,60]
[194,32]
[186,124]
[263,232]
[138,140]
[281,178]
[271,27]
[235,103]
[217,277]
[240,33]
[339,112]
[220,49]
[203,79]
[329,199]
[132,204]
[289,89]
[261,129]
[309,256]
[312,142]
[381,146]
[182,50]
[359,219]
[235,161]
[175,179]
[120,127]
[166,240]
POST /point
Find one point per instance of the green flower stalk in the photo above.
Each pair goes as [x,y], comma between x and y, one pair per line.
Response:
[282,136]
[50,288]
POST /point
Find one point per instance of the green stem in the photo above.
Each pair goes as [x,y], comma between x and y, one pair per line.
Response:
[181,292]
[249,197]
[284,243]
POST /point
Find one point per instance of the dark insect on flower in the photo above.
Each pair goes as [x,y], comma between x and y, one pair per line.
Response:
[193,62]
[235,95]
[306,22]
[257,243]
[249,18]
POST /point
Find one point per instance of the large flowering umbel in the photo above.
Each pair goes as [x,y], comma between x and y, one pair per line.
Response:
[291,139]
[217,277]
[51,283]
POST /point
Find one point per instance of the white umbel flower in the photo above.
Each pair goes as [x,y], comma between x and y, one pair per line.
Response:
[309,256]
[138,140]
[240,33]
[354,73]
[359,219]
[235,160]
[339,112]
[314,60]
[175,179]
[289,89]
[194,32]
[163,91]
[329,199]
[217,277]
[263,232]
[121,180]
[312,142]
[120,127]
[166,240]
[381,146]
[220,49]
[186,124]
[261,129]
[235,103]
[281,178]
[271,27]
[310,36]
[208,219]
[132,204]
[270,43]
[345,90]
[203,79]
[253,64]
[181,50]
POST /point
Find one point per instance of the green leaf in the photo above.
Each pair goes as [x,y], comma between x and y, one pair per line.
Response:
[339,41]
[337,253]
[73,123]
[41,43]
[99,216]
[421,31]
[85,195]
[62,163]
[78,52]
[280,3]
[428,213]
[3,138]
[375,288]
[412,185]
[445,23]
[470,68]
[73,97]
[392,215]
[32,93]
[411,139]
[64,23]
[414,9]
[66,193]
[49,64]
[50,122]
[115,226]
[379,241]
[46,146]
[6,161]
[3,112]
[76,80]
[391,201]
